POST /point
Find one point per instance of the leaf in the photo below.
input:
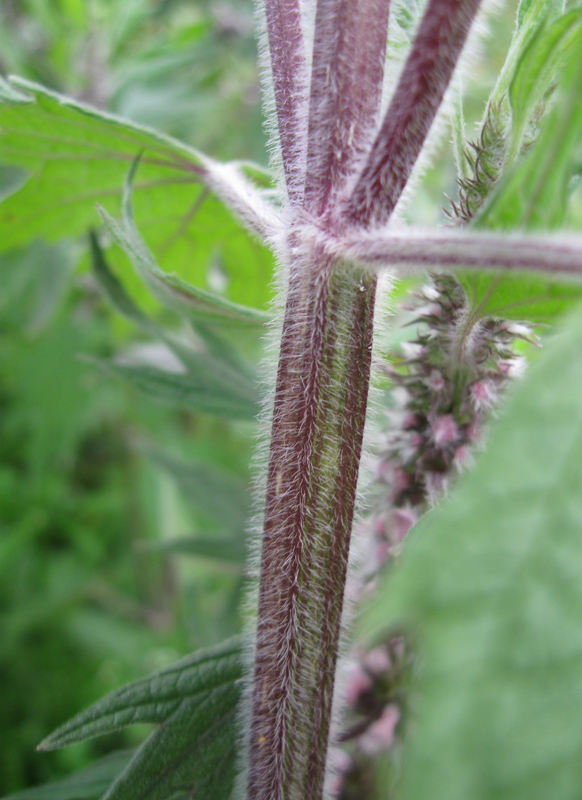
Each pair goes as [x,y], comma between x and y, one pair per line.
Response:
[232,550]
[8,94]
[12,179]
[207,487]
[491,584]
[192,751]
[529,11]
[538,66]
[168,288]
[519,296]
[534,195]
[76,156]
[208,389]
[86,784]
[220,356]
[114,290]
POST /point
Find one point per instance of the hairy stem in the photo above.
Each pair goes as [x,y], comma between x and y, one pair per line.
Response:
[424,80]
[289,71]
[349,52]
[318,422]
[435,249]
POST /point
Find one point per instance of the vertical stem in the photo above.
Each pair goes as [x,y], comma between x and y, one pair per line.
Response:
[318,420]
[349,52]
[289,70]
[426,74]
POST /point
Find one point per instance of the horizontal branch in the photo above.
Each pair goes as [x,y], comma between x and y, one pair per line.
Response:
[425,77]
[415,250]
[242,198]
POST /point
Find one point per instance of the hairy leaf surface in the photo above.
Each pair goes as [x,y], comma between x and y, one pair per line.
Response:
[492,585]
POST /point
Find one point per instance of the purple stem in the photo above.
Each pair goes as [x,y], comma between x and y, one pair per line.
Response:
[423,82]
[289,70]
[421,251]
[318,418]
[349,52]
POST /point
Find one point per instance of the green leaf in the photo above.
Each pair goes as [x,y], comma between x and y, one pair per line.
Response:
[209,388]
[530,11]
[12,179]
[231,551]
[8,94]
[220,357]
[534,195]
[87,784]
[491,584]
[168,288]
[76,156]
[206,487]
[519,296]
[115,291]
[192,750]
[538,67]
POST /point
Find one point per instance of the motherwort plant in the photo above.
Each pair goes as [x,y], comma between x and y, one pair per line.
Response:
[345,147]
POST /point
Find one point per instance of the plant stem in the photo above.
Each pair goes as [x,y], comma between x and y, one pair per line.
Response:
[289,73]
[425,77]
[318,423]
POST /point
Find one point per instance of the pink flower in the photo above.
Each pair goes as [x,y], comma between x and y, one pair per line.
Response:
[380,735]
[436,381]
[377,660]
[357,684]
[400,521]
[444,430]
[483,394]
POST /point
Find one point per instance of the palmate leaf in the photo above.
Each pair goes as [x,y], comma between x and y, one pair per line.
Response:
[75,156]
[492,585]
[192,750]
[538,66]
[89,783]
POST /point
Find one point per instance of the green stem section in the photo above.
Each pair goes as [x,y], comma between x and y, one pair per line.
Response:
[318,423]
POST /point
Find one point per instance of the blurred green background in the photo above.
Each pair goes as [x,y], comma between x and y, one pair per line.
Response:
[94,475]
[86,603]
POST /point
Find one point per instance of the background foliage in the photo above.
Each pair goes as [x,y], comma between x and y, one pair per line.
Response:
[118,553]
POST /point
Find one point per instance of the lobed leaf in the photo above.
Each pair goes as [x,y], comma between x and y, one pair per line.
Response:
[219,360]
[491,584]
[534,298]
[115,291]
[168,288]
[534,195]
[538,66]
